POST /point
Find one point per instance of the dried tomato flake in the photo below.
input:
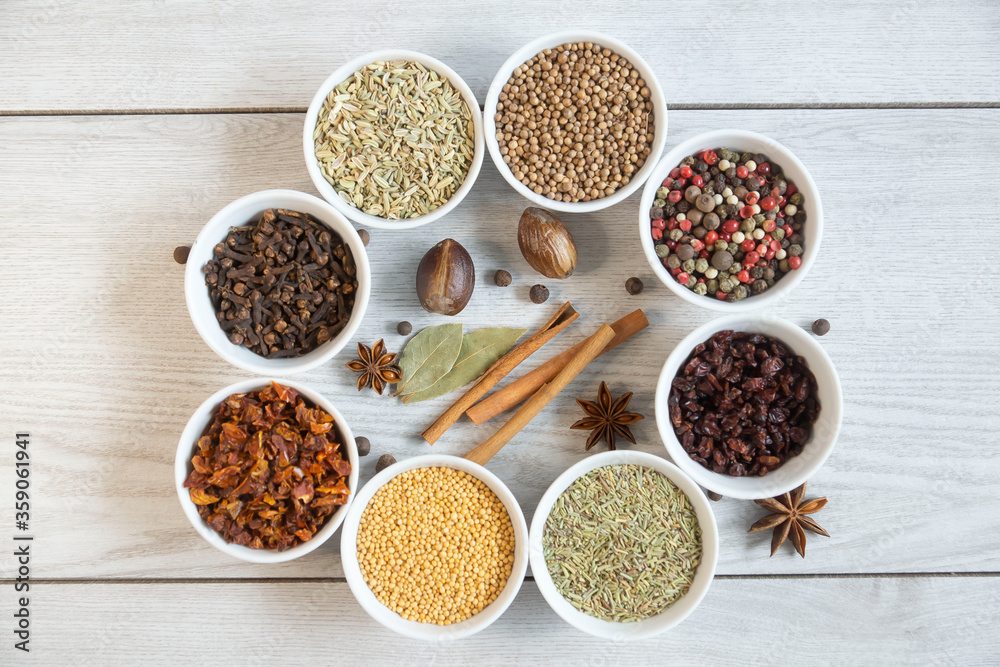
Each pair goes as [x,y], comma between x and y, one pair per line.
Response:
[270,470]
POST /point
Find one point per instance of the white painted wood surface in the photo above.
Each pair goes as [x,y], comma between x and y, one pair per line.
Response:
[99,361]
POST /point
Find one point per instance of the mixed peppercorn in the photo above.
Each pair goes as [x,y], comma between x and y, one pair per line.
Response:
[727,224]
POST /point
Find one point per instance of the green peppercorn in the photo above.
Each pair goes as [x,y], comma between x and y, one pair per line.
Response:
[732,298]
[745,157]
[701,265]
[713,285]
[700,288]
[673,262]
[770,282]
[735,268]
[658,202]
[757,272]
[733,248]
[692,281]
[662,192]
[758,286]
[726,285]
[778,233]
[662,250]
[687,266]
[748,226]
[727,154]
[676,234]
[783,266]
[796,199]
[721,245]
[795,250]
[758,218]
[742,292]
[688,161]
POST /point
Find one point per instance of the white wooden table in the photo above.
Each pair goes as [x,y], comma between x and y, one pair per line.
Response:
[123,129]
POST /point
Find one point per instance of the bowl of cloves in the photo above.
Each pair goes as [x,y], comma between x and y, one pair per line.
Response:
[277,282]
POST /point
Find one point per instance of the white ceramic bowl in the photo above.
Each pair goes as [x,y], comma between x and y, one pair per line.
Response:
[529,51]
[673,614]
[795,470]
[247,210]
[389,618]
[743,141]
[345,71]
[195,428]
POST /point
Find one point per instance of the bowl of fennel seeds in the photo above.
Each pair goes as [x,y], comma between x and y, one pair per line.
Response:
[394,139]
[623,545]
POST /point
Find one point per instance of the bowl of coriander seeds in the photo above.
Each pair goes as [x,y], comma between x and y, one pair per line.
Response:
[435,547]
[575,121]
[394,139]
[623,545]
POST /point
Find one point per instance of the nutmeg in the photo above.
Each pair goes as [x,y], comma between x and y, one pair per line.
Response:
[446,278]
[546,243]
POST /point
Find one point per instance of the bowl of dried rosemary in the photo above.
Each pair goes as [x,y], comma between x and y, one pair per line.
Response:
[394,139]
[623,545]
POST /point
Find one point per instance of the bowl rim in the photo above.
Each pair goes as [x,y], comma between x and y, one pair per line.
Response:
[193,430]
[666,619]
[341,74]
[802,467]
[389,618]
[807,185]
[196,292]
[528,51]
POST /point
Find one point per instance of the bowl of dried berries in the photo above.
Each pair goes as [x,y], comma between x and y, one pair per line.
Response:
[265,470]
[394,139]
[435,547]
[749,406]
[730,220]
[623,545]
[574,121]
[277,282]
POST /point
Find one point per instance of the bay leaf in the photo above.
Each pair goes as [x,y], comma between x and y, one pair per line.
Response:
[429,356]
[480,350]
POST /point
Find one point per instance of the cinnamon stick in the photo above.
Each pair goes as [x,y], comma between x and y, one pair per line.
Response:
[498,371]
[591,348]
[520,389]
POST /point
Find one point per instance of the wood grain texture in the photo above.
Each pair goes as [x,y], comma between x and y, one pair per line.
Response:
[797,621]
[115,56]
[99,361]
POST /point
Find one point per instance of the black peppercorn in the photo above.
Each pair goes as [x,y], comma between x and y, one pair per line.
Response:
[404,328]
[384,462]
[365,236]
[821,327]
[539,293]
[633,286]
[502,278]
[758,286]
[701,166]
[712,495]
[655,213]
[364,446]
[800,217]
[683,206]
[181,253]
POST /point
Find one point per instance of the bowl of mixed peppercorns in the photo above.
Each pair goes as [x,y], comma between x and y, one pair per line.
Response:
[730,220]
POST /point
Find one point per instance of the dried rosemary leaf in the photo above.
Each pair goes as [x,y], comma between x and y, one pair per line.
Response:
[395,139]
[622,543]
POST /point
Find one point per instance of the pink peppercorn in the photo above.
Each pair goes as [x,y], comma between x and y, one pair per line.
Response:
[657,233]
[685,225]
[752,198]
[674,196]
[659,223]
[794,262]
[741,171]
[746,211]
[683,277]
[768,203]
[686,172]
[730,226]
[747,245]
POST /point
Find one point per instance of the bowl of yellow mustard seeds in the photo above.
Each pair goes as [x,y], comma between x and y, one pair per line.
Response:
[435,547]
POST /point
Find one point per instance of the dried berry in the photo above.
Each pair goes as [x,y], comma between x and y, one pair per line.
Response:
[633,286]
[269,470]
[365,236]
[743,403]
[404,328]
[712,495]
[181,253]
[502,278]
[821,327]
[539,293]
[363,445]
[384,462]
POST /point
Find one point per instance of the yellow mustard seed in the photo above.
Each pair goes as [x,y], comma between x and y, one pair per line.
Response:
[435,545]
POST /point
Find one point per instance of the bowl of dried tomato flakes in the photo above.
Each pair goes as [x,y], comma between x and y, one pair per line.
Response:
[265,470]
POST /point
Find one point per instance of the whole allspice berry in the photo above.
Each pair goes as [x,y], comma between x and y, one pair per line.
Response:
[384,462]
[404,328]
[502,278]
[539,293]
[821,327]
[181,253]
[364,446]
[633,285]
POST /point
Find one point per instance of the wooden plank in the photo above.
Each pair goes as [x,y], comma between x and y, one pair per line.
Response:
[867,621]
[191,55]
[99,361]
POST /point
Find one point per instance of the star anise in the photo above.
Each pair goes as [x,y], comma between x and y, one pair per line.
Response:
[377,367]
[606,418]
[789,519]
